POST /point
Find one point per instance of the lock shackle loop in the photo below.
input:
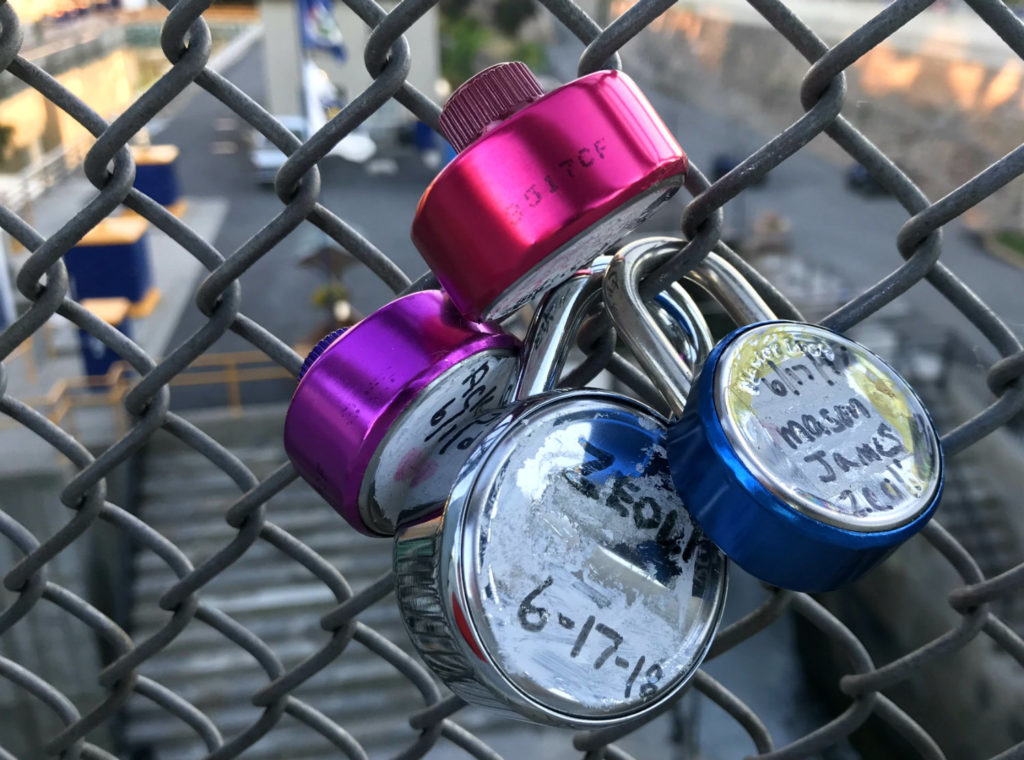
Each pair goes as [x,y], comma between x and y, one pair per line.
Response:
[671,372]
[734,293]
[560,316]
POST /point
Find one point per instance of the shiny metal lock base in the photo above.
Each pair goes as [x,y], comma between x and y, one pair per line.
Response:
[564,582]
[809,459]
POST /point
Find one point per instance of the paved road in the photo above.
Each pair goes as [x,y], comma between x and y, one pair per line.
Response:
[832,227]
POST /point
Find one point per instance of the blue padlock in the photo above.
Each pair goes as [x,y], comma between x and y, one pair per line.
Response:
[803,455]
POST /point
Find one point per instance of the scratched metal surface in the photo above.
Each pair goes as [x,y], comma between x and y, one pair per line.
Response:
[185,39]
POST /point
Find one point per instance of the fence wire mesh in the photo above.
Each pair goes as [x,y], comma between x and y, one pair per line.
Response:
[185,39]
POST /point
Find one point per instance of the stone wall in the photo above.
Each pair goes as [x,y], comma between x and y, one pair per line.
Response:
[942,111]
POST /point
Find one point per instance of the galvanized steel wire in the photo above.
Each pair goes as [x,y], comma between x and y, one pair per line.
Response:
[186,41]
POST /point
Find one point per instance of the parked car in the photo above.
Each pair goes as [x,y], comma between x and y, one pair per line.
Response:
[860,180]
[267,159]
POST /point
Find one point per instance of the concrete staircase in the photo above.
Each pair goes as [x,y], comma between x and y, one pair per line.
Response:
[185,498]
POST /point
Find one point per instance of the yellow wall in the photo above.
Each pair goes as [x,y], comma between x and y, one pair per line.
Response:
[106,85]
[33,10]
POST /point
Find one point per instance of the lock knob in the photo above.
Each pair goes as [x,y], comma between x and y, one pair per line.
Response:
[318,350]
[808,458]
[486,99]
[805,457]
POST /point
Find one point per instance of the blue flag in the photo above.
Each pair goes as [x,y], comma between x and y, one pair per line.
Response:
[319,29]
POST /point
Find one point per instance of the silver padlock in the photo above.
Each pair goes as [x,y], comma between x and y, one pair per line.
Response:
[803,455]
[563,582]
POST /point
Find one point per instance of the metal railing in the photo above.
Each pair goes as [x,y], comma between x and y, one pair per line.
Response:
[56,166]
[230,371]
[185,39]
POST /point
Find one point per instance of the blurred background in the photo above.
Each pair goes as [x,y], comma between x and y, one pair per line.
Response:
[942,96]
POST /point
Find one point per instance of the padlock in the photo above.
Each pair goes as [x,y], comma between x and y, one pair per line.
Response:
[563,581]
[803,455]
[384,411]
[541,184]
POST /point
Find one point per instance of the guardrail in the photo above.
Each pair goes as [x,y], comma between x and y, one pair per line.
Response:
[55,167]
[65,398]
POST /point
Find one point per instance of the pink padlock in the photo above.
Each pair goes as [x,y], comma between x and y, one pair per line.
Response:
[385,410]
[542,184]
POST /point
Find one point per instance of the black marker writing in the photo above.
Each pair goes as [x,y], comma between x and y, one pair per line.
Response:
[647,514]
[784,380]
[597,460]
[827,422]
[453,418]
[864,455]
[533,619]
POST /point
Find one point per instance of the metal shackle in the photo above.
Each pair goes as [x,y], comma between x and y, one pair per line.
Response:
[803,455]
[669,372]
[386,410]
[548,180]
[561,313]
[734,293]
[563,581]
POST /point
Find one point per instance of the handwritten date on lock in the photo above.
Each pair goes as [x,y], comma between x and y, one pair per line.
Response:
[647,514]
[878,443]
[569,172]
[533,618]
[451,420]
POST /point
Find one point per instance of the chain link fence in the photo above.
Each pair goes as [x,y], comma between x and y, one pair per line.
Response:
[186,40]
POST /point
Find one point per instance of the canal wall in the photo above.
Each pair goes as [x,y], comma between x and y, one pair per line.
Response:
[969,698]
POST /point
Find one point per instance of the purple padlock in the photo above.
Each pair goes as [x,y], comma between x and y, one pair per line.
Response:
[385,411]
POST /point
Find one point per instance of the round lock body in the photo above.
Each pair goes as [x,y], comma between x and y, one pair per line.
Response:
[543,184]
[804,456]
[384,413]
[564,582]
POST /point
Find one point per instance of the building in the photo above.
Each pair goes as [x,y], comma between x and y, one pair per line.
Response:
[286,54]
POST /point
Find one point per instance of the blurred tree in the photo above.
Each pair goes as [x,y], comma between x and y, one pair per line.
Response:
[462,39]
[473,36]
[454,8]
[510,15]
[532,54]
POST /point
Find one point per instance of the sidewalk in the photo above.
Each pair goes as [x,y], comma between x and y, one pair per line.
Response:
[174,273]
